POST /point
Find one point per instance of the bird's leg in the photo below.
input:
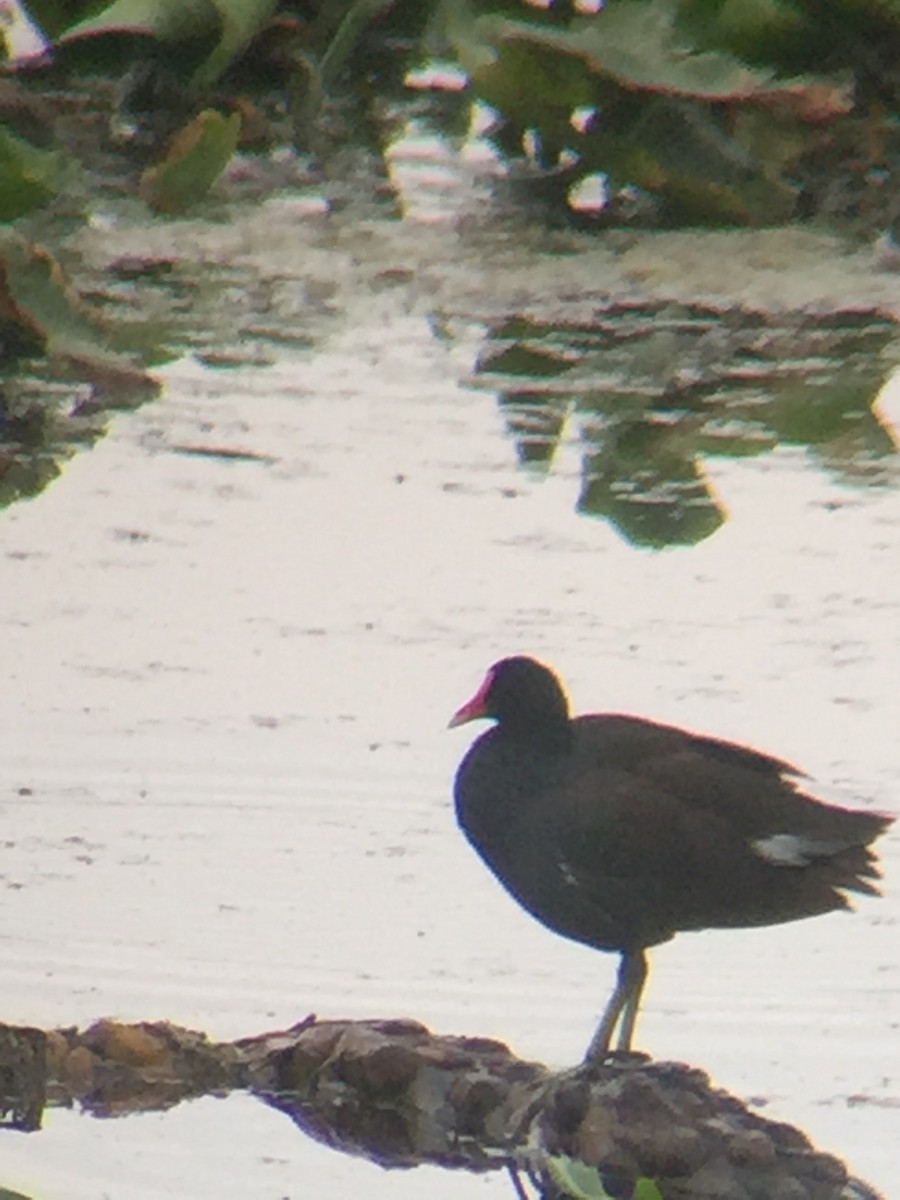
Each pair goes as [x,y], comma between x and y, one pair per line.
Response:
[634,969]
[603,1035]
[516,1180]
[623,1003]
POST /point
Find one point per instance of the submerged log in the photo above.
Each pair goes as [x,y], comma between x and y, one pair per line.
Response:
[401,1096]
[23,1077]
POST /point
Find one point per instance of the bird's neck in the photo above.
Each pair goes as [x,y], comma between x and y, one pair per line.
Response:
[544,737]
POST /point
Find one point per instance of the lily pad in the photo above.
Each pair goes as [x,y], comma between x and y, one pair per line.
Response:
[205,35]
[712,137]
[636,45]
[195,160]
[29,176]
[38,299]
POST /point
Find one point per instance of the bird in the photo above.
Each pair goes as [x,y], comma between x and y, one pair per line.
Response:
[619,832]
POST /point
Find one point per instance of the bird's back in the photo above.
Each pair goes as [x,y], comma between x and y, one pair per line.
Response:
[638,830]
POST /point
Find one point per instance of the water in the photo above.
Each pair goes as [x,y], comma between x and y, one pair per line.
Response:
[226,776]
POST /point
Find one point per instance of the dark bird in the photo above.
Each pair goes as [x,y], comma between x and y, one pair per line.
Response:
[618,832]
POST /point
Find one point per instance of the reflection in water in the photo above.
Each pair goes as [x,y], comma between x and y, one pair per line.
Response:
[23,1078]
[399,1096]
[45,420]
[656,388]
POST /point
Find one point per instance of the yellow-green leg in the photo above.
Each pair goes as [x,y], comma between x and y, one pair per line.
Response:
[622,1007]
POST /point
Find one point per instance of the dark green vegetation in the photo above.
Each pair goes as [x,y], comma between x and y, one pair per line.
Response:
[584,1182]
[683,111]
[705,110]
[724,111]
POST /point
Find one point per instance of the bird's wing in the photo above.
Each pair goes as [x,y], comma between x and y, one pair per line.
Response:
[615,822]
[637,859]
[708,837]
[757,796]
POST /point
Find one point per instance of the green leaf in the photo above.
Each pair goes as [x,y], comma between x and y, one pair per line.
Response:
[766,31]
[240,22]
[204,35]
[38,299]
[170,21]
[713,137]
[195,160]
[53,16]
[636,45]
[583,1182]
[646,1189]
[29,176]
[577,1179]
[348,33]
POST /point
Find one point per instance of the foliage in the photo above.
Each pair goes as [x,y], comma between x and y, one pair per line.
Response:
[204,35]
[705,107]
[678,110]
[710,109]
[583,1182]
[42,315]
[194,161]
[653,392]
[31,176]
[40,306]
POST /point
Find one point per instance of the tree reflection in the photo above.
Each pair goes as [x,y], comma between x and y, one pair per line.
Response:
[651,391]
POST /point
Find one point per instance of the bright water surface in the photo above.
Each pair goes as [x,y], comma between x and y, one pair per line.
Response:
[225,786]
